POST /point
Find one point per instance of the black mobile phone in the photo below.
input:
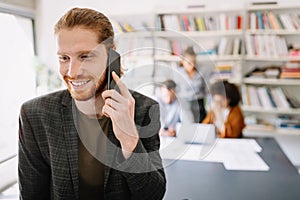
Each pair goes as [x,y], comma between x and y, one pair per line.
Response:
[113,64]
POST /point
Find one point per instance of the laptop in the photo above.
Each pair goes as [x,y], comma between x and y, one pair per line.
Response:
[196,133]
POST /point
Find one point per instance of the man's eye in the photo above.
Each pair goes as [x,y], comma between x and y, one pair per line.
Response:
[86,57]
[63,58]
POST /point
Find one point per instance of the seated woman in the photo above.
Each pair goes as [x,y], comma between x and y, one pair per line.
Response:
[225,112]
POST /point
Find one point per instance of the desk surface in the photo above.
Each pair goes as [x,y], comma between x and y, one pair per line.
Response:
[193,180]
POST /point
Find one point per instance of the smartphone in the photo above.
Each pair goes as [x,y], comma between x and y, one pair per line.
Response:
[113,64]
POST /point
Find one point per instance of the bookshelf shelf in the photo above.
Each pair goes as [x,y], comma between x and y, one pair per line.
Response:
[266,81]
[271,58]
[134,34]
[268,131]
[173,58]
[272,7]
[195,11]
[263,110]
[273,32]
[219,58]
[178,34]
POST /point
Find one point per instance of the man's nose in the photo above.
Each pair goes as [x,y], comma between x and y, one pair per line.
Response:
[74,68]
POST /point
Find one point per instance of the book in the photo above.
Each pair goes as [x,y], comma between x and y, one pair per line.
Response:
[254,100]
[200,24]
[279,98]
[236,46]
[273,21]
[260,20]
[264,98]
[245,95]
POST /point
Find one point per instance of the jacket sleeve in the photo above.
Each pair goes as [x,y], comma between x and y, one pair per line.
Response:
[234,124]
[143,170]
[34,173]
[209,118]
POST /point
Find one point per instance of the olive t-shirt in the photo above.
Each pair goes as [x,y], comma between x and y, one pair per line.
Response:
[91,156]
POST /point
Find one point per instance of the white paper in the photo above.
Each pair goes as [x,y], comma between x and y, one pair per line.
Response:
[235,154]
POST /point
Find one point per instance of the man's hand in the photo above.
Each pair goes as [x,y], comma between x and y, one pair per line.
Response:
[119,107]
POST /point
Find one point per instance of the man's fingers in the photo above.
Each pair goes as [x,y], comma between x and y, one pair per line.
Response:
[123,89]
[113,104]
[107,111]
[113,94]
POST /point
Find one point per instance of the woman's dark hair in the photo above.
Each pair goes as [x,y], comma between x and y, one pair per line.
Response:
[228,90]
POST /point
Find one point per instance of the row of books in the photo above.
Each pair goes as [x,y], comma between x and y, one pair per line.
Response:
[274,72]
[123,27]
[280,123]
[276,21]
[225,46]
[266,45]
[223,71]
[288,122]
[229,46]
[268,97]
[220,22]
[291,70]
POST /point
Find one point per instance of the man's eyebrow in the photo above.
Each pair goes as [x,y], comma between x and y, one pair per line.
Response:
[79,52]
[87,52]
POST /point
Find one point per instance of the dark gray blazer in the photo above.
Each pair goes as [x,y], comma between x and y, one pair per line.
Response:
[48,152]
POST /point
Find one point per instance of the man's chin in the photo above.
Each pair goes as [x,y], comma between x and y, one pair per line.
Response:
[81,98]
[86,96]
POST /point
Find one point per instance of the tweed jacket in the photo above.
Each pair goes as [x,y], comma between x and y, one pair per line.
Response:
[48,152]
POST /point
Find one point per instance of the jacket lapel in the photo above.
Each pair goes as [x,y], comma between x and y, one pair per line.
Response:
[71,139]
[111,148]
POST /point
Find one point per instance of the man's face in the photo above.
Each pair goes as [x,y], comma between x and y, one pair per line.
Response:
[167,95]
[82,62]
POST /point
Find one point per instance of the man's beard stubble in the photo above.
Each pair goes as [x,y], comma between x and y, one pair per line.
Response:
[100,87]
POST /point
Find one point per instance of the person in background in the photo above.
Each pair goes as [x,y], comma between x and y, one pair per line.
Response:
[170,110]
[192,85]
[89,142]
[225,111]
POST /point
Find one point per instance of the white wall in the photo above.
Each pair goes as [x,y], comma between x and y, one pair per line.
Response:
[49,11]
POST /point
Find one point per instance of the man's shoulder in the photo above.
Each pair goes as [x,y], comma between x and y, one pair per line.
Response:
[48,100]
[142,100]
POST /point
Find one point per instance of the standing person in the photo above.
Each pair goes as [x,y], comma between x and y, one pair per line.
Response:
[225,112]
[88,142]
[192,85]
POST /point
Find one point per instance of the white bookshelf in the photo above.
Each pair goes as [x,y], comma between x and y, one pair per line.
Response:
[272,81]
[273,7]
[273,32]
[201,58]
[265,131]
[263,110]
[134,34]
[271,58]
[196,34]
[162,54]
[269,36]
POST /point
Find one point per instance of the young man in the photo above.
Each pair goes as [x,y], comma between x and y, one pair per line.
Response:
[170,110]
[89,142]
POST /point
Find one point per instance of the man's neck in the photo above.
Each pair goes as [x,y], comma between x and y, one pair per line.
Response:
[92,107]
